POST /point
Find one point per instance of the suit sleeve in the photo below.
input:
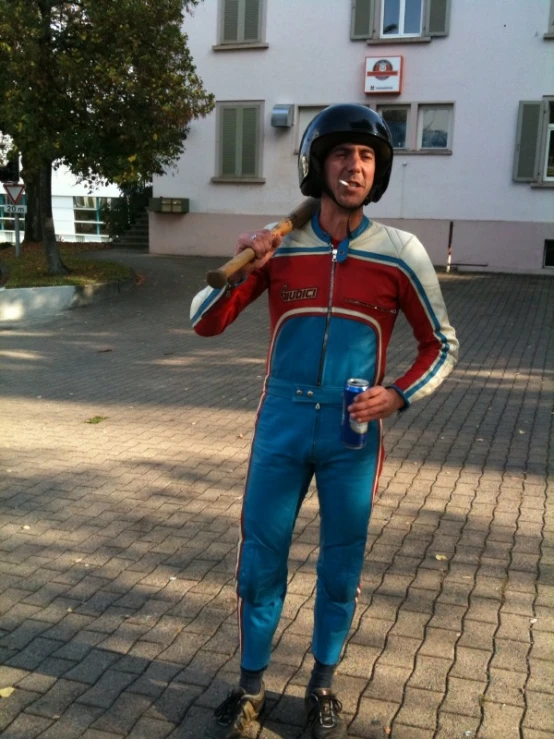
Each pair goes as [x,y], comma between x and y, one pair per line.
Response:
[212,310]
[422,302]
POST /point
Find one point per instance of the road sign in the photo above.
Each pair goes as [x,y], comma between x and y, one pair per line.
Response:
[14,191]
[15,210]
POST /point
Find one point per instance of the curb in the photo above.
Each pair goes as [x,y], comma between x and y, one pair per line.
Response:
[19,303]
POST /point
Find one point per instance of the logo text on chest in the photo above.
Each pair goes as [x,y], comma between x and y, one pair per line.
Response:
[304,293]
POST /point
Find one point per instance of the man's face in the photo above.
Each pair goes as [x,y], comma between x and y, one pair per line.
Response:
[349,173]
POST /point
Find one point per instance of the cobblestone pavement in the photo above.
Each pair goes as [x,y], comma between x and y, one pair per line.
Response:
[117,538]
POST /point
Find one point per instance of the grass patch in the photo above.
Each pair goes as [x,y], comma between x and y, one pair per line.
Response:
[97,419]
[30,270]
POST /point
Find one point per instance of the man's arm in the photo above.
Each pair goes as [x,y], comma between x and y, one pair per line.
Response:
[422,302]
[423,305]
[212,310]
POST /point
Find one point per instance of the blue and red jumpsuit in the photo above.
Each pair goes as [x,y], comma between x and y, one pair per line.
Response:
[332,310]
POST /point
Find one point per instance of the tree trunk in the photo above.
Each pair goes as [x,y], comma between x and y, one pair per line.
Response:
[53,259]
[33,230]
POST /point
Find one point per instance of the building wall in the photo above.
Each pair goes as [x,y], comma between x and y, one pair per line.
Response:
[311,60]
[64,188]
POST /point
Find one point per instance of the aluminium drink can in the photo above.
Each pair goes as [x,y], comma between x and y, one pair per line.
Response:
[353,434]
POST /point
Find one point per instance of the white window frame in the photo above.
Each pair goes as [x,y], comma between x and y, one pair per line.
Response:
[94,207]
[426,106]
[400,106]
[546,144]
[413,137]
[238,179]
[402,13]
[303,119]
[366,22]
[550,32]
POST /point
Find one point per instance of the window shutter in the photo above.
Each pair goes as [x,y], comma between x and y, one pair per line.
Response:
[229,142]
[252,20]
[438,17]
[230,21]
[529,125]
[362,19]
[551,19]
[249,142]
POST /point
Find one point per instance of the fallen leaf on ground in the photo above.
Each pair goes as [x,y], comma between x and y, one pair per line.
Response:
[441,557]
[6,692]
[96,419]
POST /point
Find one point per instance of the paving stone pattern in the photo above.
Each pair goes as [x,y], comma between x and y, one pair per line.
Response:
[118,538]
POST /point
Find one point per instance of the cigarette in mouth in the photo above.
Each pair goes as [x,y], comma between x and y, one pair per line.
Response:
[343,182]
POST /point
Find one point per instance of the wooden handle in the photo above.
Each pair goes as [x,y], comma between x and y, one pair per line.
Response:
[217,278]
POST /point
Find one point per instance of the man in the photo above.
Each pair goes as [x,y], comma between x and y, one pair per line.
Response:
[335,288]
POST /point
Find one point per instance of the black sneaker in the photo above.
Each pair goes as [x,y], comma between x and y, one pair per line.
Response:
[323,709]
[237,712]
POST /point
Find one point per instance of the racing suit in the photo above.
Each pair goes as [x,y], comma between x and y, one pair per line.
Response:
[332,310]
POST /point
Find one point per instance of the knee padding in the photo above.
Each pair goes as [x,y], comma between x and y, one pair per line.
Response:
[262,574]
[339,571]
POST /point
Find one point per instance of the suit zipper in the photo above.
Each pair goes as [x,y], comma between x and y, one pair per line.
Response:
[328,318]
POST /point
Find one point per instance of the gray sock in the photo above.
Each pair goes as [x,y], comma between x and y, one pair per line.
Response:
[251,680]
[322,676]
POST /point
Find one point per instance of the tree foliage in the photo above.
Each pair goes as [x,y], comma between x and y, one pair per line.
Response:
[106,87]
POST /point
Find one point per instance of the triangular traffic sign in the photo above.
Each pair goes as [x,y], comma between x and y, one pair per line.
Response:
[14,191]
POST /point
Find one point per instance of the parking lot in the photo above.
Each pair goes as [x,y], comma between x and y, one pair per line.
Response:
[124,440]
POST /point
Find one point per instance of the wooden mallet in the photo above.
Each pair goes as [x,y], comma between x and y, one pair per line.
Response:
[218,277]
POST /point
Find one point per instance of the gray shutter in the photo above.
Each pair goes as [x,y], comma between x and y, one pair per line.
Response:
[230,21]
[362,19]
[438,17]
[249,142]
[252,20]
[551,19]
[229,142]
[529,125]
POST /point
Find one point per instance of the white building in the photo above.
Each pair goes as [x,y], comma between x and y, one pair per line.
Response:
[473,122]
[76,211]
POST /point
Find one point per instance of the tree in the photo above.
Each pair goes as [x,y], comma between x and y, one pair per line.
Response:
[105,87]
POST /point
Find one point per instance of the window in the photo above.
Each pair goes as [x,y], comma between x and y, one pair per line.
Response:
[87,212]
[434,123]
[401,18]
[241,21]
[7,222]
[396,117]
[378,21]
[305,115]
[420,128]
[534,155]
[239,141]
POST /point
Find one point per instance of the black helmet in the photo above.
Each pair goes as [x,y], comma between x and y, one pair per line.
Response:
[336,124]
